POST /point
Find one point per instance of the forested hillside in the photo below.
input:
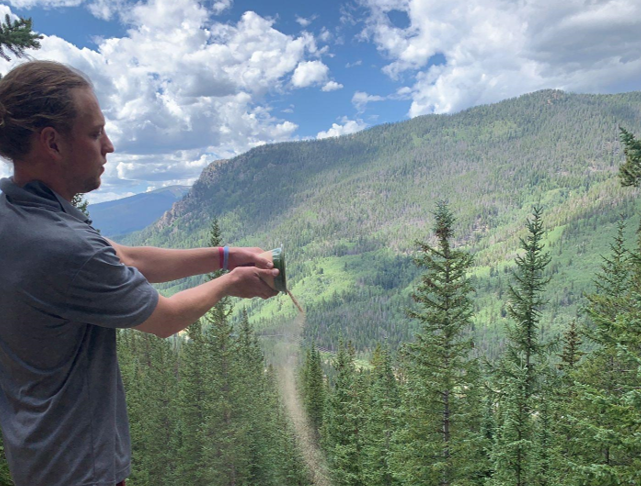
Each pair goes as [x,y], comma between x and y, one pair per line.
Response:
[122,216]
[348,210]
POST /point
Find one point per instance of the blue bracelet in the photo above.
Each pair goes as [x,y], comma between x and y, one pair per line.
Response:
[225,258]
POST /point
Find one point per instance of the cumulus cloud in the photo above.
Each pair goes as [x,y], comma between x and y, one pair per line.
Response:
[107,9]
[180,90]
[361,99]
[493,49]
[220,6]
[309,73]
[304,22]
[44,3]
[325,35]
[103,9]
[347,127]
[332,86]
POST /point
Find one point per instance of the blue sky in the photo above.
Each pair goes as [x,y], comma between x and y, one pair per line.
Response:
[184,83]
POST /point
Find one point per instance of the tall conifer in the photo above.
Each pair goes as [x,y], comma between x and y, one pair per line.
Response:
[380,421]
[343,422]
[608,408]
[194,392]
[149,377]
[519,451]
[439,435]
[313,388]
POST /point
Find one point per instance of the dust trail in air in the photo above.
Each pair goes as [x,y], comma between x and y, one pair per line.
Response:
[288,357]
[300,309]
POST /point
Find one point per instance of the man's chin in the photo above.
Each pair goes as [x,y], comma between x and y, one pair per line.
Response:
[91,186]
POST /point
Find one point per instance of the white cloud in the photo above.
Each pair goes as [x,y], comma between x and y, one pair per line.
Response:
[304,22]
[106,9]
[309,73]
[347,127]
[332,86]
[495,49]
[361,99]
[181,90]
[44,3]
[325,35]
[220,6]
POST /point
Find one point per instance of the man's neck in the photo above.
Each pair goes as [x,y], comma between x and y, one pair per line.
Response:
[23,173]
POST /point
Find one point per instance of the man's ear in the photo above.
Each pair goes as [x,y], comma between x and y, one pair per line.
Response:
[51,142]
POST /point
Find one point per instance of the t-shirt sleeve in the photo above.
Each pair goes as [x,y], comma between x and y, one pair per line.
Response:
[107,293]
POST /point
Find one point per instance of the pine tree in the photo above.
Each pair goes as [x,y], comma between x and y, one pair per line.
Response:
[380,421]
[488,435]
[612,286]
[149,375]
[5,476]
[191,399]
[438,438]
[517,452]
[79,202]
[343,422]
[195,393]
[313,388]
[562,398]
[16,37]
[255,406]
[630,171]
[571,354]
[225,445]
[607,411]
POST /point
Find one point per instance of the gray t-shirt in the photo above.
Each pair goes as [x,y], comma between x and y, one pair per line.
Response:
[63,294]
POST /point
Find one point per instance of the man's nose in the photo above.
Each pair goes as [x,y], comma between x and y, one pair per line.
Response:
[108,147]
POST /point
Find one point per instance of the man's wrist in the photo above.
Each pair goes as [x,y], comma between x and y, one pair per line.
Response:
[221,257]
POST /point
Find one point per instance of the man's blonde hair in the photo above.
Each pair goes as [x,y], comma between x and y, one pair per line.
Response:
[35,95]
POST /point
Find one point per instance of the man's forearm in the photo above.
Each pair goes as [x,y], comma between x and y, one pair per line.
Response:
[175,313]
[164,265]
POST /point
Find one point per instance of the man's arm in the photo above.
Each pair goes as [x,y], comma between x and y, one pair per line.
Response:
[164,265]
[175,313]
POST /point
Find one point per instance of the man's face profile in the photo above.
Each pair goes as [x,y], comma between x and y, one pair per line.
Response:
[87,145]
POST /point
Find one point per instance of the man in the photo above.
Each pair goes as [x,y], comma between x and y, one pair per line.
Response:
[64,289]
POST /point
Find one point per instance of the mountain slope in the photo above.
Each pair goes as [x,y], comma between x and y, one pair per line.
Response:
[350,209]
[134,213]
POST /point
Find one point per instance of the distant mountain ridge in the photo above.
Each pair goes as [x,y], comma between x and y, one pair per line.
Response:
[129,214]
[350,209]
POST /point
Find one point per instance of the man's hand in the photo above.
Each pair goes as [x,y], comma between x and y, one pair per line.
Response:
[247,257]
[249,282]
